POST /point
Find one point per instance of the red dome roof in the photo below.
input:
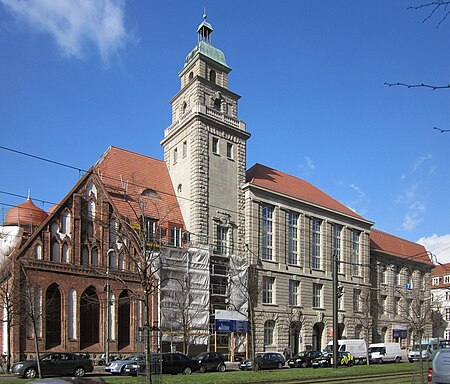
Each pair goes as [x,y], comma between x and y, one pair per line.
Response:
[25,214]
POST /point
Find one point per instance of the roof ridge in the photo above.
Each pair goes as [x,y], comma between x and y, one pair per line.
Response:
[394,236]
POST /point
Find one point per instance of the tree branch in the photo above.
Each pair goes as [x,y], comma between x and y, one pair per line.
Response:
[436,6]
[433,87]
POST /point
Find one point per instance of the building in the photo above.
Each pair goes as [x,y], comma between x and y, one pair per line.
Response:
[440,291]
[140,243]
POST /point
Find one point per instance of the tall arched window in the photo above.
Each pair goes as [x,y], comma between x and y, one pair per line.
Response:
[112,259]
[65,254]
[121,265]
[94,256]
[65,222]
[85,255]
[55,253]
[52,316]
[123,319]
[38,252]
[72,315]
[269,328]
[89,318]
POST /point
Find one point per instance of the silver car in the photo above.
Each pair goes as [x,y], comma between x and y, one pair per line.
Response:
[117,367]
[440,367]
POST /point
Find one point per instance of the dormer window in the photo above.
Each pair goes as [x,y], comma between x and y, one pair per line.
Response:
[149,192]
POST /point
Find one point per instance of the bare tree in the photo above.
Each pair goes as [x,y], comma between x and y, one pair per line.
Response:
[366,316]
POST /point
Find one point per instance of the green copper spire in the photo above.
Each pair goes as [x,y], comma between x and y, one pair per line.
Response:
[205,46]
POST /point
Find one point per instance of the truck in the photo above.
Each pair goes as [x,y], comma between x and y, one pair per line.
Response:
[357,347]
[385,352]
[426,348]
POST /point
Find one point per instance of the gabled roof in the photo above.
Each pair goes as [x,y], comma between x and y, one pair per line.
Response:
[395,246]
[441,270]
[138,185]
[277,181]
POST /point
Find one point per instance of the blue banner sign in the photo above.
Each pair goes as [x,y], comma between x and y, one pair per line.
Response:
[239,326]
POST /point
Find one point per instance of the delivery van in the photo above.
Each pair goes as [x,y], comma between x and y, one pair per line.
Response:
[357,347]
[426,348]
[385,352]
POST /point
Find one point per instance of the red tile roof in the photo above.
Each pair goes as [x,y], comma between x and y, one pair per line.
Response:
[392,245]
[292,186]
[26,213]
[441,269]
[126,175]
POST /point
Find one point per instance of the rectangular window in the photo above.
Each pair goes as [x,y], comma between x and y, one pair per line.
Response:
[215,145]
[317,295]
[268,285]
[149,230]
[175,237]
[175,155]
[316,240]
[355,252]
[446,279]
[447,296]
[221,241]
[184,148]
[267,232]
[356,300]
[447,314]
[337,230]
[229,150]
[293,238]
[293,292]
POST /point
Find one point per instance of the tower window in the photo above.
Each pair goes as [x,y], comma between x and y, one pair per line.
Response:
[191,76]
[229,150]
[212,76]
[184,148]
[175,155]
[215,145]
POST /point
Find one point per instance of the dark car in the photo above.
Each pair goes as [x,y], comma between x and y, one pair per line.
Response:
[303,359]
[211,361]
[265,360]
[326,360]
[54,364]
[172,363]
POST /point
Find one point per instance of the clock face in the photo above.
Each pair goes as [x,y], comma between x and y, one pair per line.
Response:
[10,238]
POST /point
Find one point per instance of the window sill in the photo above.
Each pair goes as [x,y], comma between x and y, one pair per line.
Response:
[270,304]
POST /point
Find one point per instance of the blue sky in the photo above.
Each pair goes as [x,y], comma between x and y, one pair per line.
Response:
[78,76]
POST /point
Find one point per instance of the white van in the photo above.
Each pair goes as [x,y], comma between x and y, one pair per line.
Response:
[426,348]
[384,352]
[357,347]
[440,367]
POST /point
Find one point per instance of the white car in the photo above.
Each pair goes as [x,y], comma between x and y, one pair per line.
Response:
[440,368]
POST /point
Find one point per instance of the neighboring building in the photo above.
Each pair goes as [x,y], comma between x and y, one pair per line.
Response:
[401,288]
[440,291]
[213,235]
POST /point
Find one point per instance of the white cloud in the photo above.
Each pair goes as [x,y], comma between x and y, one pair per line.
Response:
[438,245]
[307,167]
[75,25]
[419,162]
[410,221]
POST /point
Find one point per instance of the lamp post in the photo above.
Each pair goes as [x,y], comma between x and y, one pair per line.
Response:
[337,293]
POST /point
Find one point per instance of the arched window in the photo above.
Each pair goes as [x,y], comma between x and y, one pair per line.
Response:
[91,190]
[183,108]
[212,76]
[112,231]
[38,252]
[123,319]
[72,315]
[65,254]
[85,256]
[112,260]
[52,317]
[89,318]
[54,228]
[191,76]
[55,253]
[269,328]
[91,209]
[121,265]
[65,222]
[94,256]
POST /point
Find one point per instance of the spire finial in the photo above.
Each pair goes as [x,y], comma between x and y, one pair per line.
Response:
[29,194]
[204,13]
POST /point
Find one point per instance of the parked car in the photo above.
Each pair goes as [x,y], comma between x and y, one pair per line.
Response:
[326,360]
[211,361]
[303,359]
[54,364]
[172,363]
[139,367]
[439,372]
[117,367]
[265,360]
